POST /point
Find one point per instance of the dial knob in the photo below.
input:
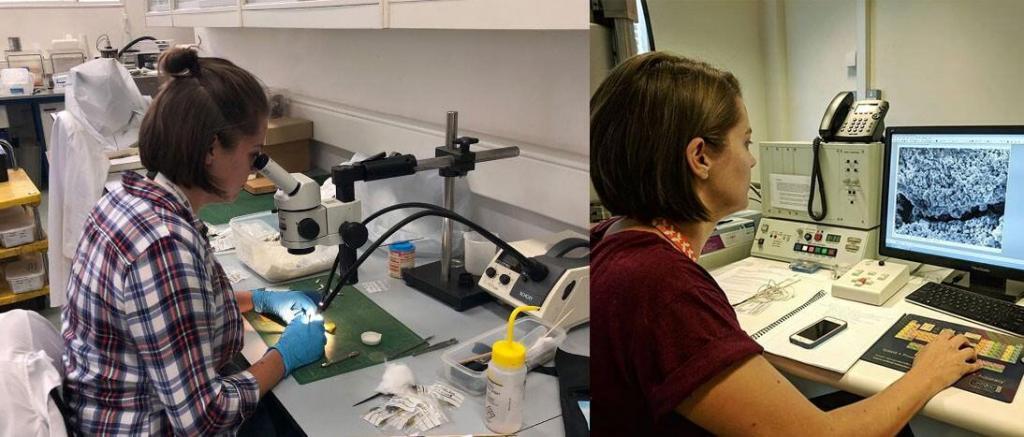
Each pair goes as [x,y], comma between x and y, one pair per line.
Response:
[308,228]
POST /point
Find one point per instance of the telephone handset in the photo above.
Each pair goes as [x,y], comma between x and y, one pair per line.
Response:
[849,121]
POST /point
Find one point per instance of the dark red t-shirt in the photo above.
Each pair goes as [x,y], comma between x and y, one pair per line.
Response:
[660,327]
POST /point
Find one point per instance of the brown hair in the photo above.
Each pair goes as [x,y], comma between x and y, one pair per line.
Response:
[202,100]
[641,119]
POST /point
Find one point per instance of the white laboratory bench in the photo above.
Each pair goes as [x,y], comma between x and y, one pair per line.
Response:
[324,407]
[957,407]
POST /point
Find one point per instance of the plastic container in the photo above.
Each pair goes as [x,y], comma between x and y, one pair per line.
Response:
[258,245]
[16,81]
[26,273]
[16,227]
[506,380]
[526,329]
[478,252]
[400,256]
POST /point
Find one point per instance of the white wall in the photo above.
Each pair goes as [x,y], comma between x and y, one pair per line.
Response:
[949,62]
[936,61]
[726,34]
[776,69]
[38,26]
[369,91]
[816,60]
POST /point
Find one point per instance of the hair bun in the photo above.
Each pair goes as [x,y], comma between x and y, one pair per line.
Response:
[180,62]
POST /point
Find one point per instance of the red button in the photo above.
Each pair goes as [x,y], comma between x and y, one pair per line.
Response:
[817,237]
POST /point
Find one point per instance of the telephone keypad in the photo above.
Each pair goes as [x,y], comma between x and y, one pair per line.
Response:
[860,125]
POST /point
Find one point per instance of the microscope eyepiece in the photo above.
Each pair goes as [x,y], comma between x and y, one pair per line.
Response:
[278,175]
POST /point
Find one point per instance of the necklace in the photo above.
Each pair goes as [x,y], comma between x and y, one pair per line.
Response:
[671,232]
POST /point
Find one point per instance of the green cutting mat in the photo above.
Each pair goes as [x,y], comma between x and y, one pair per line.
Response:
[353,313]
[244,204]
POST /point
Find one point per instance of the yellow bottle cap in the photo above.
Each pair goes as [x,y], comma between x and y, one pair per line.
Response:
[509,353]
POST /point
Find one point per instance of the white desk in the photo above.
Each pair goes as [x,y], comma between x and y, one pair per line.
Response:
[958,407]
[324,407]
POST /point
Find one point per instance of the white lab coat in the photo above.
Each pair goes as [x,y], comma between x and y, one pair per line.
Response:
[104,110]
[30,359]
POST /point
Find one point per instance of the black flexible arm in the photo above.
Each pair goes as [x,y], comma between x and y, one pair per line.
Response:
[129,45]
[337,261]
[367,220]
[532,269]
[816,179]
[398,206]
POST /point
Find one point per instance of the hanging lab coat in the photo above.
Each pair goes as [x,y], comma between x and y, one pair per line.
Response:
[30,363]
[104,110]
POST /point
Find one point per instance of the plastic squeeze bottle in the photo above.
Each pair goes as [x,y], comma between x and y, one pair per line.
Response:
[506,381]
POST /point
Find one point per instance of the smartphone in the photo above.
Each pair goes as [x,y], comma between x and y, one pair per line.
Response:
[818,332]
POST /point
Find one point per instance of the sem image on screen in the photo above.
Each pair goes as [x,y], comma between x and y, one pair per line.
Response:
[952,194]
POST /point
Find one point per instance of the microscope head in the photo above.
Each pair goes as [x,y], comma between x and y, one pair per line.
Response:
[300,216]
[303,219]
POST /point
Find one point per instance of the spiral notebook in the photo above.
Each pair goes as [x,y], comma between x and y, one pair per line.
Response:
[865,324]
[820,294]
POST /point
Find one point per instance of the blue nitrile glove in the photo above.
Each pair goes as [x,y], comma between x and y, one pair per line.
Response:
[284,304]
[301,343]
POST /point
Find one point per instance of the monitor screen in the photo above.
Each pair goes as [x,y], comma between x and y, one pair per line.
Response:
[955,194]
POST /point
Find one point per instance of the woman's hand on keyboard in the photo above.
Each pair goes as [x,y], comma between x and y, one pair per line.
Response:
[945,360]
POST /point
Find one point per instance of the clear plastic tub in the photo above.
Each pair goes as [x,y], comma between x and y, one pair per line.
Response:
[16,227]
[527,330]
[26,273]
[258,245]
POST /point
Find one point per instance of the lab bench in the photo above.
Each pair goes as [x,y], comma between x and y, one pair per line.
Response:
[324,407]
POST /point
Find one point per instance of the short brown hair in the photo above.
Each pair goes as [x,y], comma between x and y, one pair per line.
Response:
[203,99]
[641,119]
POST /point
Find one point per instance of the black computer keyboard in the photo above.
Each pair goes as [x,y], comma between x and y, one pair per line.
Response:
[986,310]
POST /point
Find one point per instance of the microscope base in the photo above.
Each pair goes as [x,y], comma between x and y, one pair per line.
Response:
[427,279]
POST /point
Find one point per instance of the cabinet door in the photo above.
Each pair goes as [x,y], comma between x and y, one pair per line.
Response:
[158,13]
[206,13]
[313,14]
[158,6]
[489,14]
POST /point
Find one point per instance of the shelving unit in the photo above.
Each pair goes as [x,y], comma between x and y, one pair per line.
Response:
[20,191]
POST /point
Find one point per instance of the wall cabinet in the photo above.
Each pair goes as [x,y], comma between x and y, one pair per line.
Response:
[373,14]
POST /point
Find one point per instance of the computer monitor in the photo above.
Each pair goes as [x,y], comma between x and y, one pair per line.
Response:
[953,196]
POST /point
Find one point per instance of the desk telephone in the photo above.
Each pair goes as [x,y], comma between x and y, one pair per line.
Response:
[862,121]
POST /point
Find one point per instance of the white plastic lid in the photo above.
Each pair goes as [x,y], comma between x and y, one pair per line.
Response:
[370,338]
[28,265]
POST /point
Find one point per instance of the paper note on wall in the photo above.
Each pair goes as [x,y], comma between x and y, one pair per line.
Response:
[790,191]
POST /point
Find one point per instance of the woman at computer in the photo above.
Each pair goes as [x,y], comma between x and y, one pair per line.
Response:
[670,156]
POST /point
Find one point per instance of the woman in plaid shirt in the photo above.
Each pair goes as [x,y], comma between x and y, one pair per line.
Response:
[151,321]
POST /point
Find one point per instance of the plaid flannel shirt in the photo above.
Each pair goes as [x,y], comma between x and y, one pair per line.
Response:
[149,321]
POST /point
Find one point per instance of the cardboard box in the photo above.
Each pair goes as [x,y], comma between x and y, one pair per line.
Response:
[292,156]
[286,129]
[287,143]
